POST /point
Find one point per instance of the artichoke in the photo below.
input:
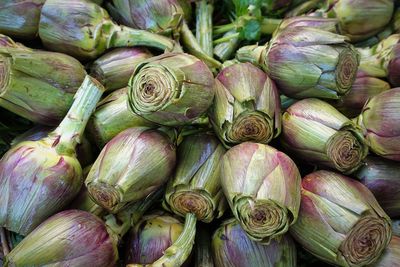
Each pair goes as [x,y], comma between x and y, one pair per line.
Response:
[382,177]
[20,18]
[113,116]
[340,221]
[195,186]
[306,62]
[166,17]
[354,17]
[150,237]
[172,89]
[132,165]
[84,30]
[115,68]
[380,118]
[246,106]
[391,256]
[231,247]
[315,131]
[69,238]
[38,85]
[262,186]
[39,178]
[364,87]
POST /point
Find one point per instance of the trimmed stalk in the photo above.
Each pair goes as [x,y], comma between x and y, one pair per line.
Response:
[204,25]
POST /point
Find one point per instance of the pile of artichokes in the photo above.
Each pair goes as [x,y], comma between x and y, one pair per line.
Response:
[205,133]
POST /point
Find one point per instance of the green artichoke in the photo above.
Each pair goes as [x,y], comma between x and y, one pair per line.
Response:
[113,116]
[38,85]
[114,69]
[246,106]
[84,30]
[231,247]
[382,177]
[40,178]
[69,238]
[306,62]
[364,87]
[171,89]
[262,186]
[340,221]
[195,186]
[167,17]
[316,132]
[20,18]
[132,165]
[354,17]
[380,118]
[150,237]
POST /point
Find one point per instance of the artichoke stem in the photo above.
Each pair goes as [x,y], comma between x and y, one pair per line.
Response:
[71,129]
[204,33]
[225,49]
[131,215]
[268,26]
[252,53]
[4,243]
[190,42]
[179,251]
[122,36]
[221,29]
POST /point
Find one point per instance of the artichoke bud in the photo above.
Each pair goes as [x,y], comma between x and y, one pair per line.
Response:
[364,87]
[355,17]
[158,16]
[246,106]
[195,186]
[171,89]
[229,241]
[132,165]
[262,186]
[85,30]
[115,68]
[39,178]
[20,19]
[113,116]
[382,177]
[30,86]
[307,62]
[340,221]
[380,118]
[316,132]
[150,237]
[69,238]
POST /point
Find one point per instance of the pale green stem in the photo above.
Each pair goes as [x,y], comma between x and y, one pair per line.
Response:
[204,26]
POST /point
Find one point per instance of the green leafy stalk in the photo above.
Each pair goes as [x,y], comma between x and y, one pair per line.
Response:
[204,25]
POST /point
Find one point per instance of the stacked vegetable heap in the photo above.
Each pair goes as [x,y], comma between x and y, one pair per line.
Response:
[230,133]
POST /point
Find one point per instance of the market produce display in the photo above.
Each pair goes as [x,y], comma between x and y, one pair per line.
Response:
[200,133]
